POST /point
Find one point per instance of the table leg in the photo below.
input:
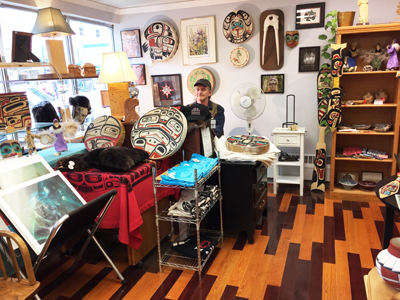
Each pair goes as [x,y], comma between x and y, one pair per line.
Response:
[389,222]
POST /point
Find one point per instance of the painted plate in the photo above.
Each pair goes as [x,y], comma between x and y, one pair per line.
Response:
[103,132]
[239,57]
[197,74]
[237,26]
[249,144]
[160,132]
[161,41]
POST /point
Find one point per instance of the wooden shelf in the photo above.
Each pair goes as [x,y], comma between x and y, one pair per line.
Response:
[365,132]
[369,105]
[355,194]
[370,73]
[368,28]
[365,160]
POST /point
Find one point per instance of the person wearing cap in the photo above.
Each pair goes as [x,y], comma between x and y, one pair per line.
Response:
[202,92]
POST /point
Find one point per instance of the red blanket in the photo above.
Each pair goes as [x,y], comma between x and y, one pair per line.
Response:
[135,195]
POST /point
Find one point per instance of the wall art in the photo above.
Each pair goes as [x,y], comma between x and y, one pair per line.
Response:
[140,71]
[273,83]
[238,26]
[309,59]
[160,41]
[239,57]
[310,15]
[272,39]
[167,90]
[198,41]
[131,43]
[197,74]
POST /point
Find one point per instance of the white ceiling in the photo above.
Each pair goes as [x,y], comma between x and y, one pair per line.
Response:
[123,4]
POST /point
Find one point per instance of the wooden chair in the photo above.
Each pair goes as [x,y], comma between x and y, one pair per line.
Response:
[16,288]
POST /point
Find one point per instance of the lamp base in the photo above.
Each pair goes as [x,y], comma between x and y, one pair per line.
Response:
[118,92]
[55,53]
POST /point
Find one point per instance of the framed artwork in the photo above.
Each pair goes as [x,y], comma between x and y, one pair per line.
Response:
[198,41]
[273,83]
[371,176]
[33,207]
[140,72]
[310,15]
[131,43]
[22,47]
[167,90]
[309,59]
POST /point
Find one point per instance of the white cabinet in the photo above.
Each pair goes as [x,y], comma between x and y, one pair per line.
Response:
[286,138]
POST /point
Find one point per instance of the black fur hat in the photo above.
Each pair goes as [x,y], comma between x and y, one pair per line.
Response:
[79,100]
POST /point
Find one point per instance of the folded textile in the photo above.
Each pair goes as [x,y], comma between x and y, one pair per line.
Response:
[189,246]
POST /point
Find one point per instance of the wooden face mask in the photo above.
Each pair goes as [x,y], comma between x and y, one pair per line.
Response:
[292,38]
[10,148]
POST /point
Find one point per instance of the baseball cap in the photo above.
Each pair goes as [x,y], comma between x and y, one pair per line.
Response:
[204,82]
[198,112]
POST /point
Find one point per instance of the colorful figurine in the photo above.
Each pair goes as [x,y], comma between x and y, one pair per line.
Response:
[10,148]
[351,60]
[392,49]
[29,139]
[60,144]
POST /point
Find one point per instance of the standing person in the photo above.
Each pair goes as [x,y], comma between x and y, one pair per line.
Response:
[202,92]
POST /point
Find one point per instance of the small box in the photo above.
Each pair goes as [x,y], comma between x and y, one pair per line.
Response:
[88,70]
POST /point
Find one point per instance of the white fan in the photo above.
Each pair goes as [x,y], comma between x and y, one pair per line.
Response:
[248,103]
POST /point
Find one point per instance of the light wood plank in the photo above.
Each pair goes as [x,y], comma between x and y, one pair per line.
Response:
[287,197]
[221,257]
[261,282]
[306,240]
[364,248]
[329,282]
[342,271]
[328,207]
[373,236]
[318,228]
[180,284]
[376,211]
[350,231]
[298,224]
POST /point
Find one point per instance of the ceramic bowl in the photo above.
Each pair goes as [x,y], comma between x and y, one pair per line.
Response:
[348,184]
[367,185]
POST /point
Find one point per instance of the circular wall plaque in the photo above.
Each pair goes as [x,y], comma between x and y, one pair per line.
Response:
[197,74]
[105,131]
[238,26]
[239,57]
[160,132]
[249,144]
[161,41]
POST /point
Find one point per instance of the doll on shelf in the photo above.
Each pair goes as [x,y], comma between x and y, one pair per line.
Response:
[351,59]
[392,49]
[29,139]
[59,130]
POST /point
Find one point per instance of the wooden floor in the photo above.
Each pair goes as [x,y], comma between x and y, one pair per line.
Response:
[305,248]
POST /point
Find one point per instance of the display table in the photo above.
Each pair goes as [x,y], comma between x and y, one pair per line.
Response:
[73,148]
[135,195]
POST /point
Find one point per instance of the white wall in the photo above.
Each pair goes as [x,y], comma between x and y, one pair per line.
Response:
[303,85]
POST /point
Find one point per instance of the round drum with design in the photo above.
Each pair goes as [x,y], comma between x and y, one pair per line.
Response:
[197,74]
[160,132]
[239,57]
[161,41]
[238,26]
[105,131]
[248,144]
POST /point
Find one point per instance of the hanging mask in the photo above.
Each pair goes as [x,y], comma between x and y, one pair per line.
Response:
[10,148]
[292,38]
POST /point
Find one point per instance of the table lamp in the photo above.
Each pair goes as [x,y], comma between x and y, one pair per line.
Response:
[51,23]
[117,73]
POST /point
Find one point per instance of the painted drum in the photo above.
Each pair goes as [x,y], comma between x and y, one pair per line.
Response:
[103,132]
[248,144]
[161,41]
[160,132]
[388,263]
[199,73]
[238,26]
[14,112]
[239,57]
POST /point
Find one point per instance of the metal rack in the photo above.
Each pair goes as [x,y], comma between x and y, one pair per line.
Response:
[170,257]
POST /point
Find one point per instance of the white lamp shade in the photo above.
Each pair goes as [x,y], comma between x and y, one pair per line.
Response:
[116,68]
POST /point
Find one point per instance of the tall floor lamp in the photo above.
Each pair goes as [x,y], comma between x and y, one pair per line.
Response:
[117,73]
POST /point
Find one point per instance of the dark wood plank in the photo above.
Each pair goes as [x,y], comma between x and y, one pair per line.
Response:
[204,288]
[329,243]
[295,200]
[356,277]
[339,223]
[346,205]
[364,204]
[274,239]
[356,208]
[241,241]
[290,216]
[289,274]
[302,278]
[272,292]
[380,225]
[316,271]
[375,253]
[83,291]
[167,284]
[229,293]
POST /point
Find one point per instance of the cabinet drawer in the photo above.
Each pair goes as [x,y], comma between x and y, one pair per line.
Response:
[287,139]
[259,189]
[259,172]
[260,206]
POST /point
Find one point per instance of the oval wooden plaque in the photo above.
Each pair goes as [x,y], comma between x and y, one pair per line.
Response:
[247,144]
[197,74]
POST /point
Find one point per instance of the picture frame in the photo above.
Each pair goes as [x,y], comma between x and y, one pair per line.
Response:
[131,43]
[310,15]
[309,59]
[371,176]
[273,83]
[198,41]
[26,206]
[340,175]
[22,47]
[140,71]
[167,90]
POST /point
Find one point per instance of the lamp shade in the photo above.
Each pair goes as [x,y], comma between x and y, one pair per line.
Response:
[50,22]
[116,68]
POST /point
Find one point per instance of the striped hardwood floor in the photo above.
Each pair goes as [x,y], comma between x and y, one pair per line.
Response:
[307,247]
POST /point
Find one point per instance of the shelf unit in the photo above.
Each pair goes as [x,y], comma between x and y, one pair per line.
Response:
[170,257]
[355,85]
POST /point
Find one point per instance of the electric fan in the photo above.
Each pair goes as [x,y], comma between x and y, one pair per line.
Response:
[248,103]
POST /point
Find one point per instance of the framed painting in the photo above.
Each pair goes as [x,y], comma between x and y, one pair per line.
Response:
[167,90]
[140,72]
[33,207]
[273,83]
[310,15]
[198,41]
[131,43]
[309,59]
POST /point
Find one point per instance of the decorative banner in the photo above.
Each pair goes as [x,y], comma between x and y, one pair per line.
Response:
[103,132]
[161,41]
[14,112]
[238,27]
[197,74]
[160,132]
[239,57]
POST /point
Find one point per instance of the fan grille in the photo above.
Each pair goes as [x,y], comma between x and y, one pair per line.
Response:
[257,97]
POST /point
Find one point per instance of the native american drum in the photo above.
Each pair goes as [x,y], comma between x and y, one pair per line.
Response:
[199,73]
[238,26]
[103,132]
[239,57]
[248,144]
[160,132]
[14,112]
[161,41]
